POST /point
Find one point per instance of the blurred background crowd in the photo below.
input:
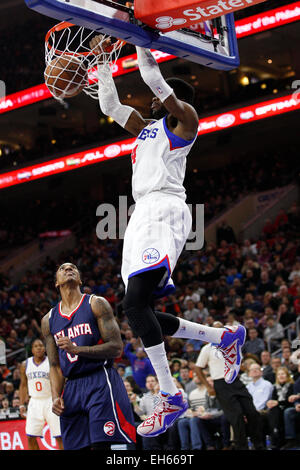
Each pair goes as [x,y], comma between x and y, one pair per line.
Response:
[255,282]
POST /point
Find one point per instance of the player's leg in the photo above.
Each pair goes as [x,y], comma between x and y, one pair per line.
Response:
[34,423]
[74,425]
[228,340]
[145,324]
[59,443]
[32,443]
[110,414]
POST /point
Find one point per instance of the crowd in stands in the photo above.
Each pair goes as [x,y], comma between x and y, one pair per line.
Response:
[245,176]
[255,282]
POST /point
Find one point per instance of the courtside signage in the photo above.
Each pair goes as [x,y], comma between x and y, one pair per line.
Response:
[207,125]
[246,27]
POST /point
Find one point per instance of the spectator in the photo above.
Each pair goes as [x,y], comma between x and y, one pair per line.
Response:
[231,320]
[252,303]
[188,425]
[238,308]
[225,232]
[141,365]
[291,416]
[253,345]
[245,378]
[265,284]
[190,354]
[190,295]
[260,389]
[212,422]
[233,274]
[273,333]
[121,370]
[175,368]
[295,271]
[203,312]
[191,313]
[5,407]
[9,390]
[271,375]
[286,360]
[185,379]
[265,359]
[284,316]
[279,402]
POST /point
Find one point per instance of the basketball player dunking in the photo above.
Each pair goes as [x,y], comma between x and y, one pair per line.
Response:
[35,385]
[82,340]
[159,226]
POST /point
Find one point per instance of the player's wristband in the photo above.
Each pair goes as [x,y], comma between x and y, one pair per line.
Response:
[151,74]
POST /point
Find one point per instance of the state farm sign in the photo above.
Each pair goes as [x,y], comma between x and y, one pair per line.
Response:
[184,14]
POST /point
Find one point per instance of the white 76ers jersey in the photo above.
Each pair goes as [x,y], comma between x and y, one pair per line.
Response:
[159,161]
[38,378]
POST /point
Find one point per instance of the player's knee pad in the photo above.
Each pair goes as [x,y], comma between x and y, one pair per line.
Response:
[141,287]
[139,321]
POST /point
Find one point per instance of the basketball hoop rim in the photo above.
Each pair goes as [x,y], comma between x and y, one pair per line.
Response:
[64,25]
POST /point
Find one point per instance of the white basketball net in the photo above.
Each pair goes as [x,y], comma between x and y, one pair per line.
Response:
[72,42]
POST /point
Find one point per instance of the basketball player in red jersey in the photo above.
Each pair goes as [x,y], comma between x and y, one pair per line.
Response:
[82,340]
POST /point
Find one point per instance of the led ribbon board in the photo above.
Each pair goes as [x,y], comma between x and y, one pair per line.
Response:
[207,125]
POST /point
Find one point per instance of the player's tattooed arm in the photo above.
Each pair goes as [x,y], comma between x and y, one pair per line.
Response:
[57,380]
[112,345]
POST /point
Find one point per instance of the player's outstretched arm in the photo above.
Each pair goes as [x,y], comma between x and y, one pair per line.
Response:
[183,112]
[57,380]
[126,116]
[109,330]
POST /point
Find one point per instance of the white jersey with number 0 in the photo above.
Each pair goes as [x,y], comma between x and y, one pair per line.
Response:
[159,161]
[38,378]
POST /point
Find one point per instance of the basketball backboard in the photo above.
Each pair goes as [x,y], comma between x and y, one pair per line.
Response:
[211,43]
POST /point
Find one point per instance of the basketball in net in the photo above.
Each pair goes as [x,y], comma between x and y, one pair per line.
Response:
[72,56]
[66,76]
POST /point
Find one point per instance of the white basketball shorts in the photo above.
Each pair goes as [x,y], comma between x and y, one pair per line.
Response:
[40,410]
[155,236]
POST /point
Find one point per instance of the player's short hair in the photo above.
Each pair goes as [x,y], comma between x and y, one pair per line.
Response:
[183,90]
[34,340]
[59,265]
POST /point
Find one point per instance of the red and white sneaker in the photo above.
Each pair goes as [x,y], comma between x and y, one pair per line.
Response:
[232,341]
[167,410]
